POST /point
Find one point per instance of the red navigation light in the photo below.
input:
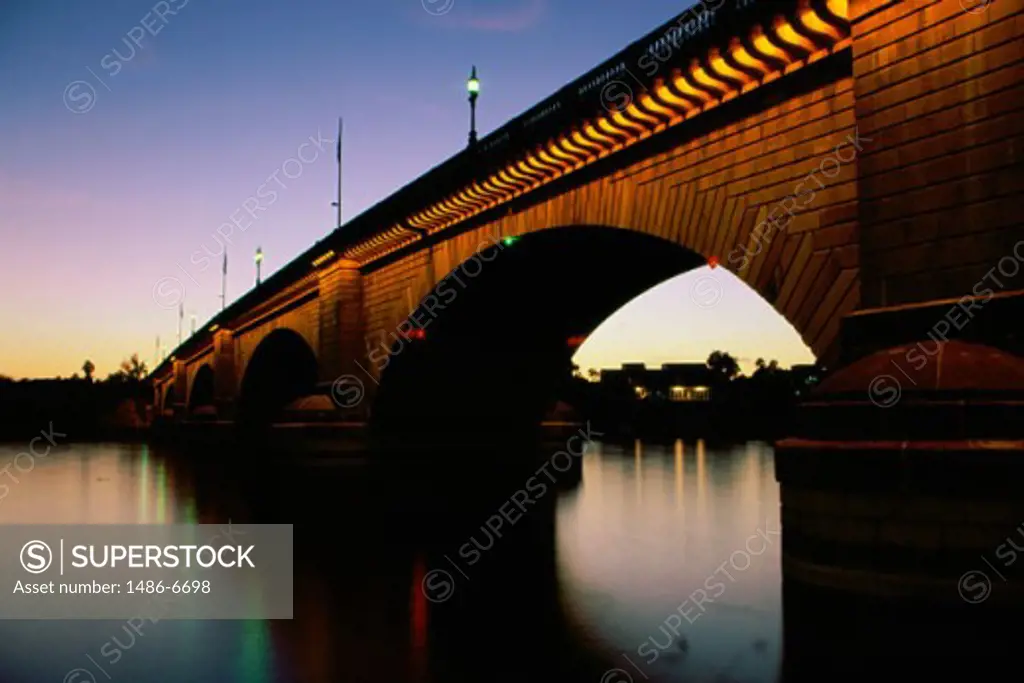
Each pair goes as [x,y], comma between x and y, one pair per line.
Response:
[713,261]
[577,341]
[418,334]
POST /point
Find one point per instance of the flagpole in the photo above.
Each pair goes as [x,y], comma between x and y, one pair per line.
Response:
[338,203]
[181,317]
[224,281]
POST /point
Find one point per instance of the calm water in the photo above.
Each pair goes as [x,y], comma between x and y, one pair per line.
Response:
[661,562]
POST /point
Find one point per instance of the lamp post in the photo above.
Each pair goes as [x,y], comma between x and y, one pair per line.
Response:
[473,87]
[259,260]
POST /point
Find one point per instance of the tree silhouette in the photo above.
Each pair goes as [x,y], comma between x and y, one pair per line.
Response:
[723,365]
[132,370]
[87,369]
[766,370]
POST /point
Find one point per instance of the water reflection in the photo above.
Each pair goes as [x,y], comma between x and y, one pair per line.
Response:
[673,562]
[649,564]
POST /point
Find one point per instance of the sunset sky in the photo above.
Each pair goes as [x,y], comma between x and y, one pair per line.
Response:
[117,167]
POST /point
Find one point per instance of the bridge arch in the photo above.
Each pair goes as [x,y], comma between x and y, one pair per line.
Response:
[201,388]
[770,189]
[496,329]
[300,320]
[283,367]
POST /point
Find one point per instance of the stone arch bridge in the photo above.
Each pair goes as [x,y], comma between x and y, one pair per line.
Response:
[858,164]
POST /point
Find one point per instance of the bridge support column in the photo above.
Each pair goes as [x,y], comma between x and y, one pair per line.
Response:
[342,339]
[180,380]
[901,506]
[224,380]
[899,496]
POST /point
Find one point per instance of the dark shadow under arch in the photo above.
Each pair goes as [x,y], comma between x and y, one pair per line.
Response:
[283,367]
[492,355]
[201,391]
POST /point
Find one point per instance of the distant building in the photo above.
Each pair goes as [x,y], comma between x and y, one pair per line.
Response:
[685,381]
[631,378]
[671,382]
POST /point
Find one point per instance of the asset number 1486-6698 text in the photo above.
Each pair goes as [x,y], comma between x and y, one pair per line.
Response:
[178,587]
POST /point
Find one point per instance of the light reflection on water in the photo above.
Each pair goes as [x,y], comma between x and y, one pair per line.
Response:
[647,528]
[119,484]
[670,558]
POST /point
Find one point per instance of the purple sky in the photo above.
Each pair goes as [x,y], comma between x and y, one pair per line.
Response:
[119,162]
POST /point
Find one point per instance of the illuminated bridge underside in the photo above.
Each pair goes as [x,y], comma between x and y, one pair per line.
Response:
[834,157]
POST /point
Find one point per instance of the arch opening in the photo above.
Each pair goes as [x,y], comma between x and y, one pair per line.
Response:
[201,392]
[283,368]
[490,358]
[490,348]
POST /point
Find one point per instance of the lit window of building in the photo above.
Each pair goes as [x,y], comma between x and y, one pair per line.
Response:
[681,393]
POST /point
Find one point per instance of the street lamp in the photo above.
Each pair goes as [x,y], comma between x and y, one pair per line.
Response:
[259,260]
[473,87]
